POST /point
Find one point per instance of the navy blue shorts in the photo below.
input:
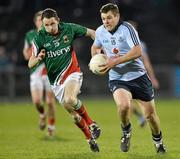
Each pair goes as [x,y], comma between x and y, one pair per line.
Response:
[140,88]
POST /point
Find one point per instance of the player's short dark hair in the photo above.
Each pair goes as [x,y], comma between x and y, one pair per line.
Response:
[49,13]
[37,14]
[110,7]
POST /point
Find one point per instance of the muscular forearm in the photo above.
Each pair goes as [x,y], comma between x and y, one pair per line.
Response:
[150,71]
[148,66]
[33,61]
[134,53]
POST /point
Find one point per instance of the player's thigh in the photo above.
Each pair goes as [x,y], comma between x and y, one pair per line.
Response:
[122,98]
[72,85]
[37,95]
[71,88]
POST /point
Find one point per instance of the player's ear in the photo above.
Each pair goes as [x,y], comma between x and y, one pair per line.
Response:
[58,19]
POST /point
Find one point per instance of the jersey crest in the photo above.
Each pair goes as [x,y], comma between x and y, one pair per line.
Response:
[65,38]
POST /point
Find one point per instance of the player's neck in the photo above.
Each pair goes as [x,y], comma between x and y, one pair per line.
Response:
[56,33]
[116,27]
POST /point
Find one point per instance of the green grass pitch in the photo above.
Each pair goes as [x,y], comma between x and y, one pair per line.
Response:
[20,137]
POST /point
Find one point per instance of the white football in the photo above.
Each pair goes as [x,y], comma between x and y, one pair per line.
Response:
[96,60]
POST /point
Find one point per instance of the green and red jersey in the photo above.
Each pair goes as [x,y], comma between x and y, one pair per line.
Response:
[60,59]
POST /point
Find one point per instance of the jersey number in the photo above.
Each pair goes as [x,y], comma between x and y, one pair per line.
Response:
[113,42]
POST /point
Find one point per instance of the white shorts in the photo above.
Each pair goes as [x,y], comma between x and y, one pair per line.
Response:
[59,89]
[39,81]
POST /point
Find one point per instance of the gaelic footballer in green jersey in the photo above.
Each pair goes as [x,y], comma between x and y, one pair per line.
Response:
[39,81]
[53,46]
[60,59]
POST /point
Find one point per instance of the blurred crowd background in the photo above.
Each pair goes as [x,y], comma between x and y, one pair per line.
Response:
[159,27]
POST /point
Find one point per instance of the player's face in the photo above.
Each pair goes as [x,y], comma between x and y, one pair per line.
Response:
[51,25]
[109,20]
[38,22]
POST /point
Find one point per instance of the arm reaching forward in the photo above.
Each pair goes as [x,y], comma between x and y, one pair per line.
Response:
[34,60]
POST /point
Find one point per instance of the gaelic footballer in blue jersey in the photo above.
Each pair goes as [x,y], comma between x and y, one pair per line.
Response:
[127,75]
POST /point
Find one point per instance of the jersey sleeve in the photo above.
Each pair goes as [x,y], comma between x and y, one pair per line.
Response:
[131,36]
[78,30]
[36,45]
[97,41]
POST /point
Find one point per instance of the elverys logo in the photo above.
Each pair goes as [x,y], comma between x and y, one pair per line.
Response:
[62,51]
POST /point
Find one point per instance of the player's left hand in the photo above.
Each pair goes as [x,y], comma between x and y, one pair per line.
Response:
[42,54]
[155,83]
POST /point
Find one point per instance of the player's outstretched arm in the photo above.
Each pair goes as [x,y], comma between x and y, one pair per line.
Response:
[34,60]
[90,33]
[150,71]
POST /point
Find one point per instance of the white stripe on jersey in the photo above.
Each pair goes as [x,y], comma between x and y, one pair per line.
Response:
[132,33]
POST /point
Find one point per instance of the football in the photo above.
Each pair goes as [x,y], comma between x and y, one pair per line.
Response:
[96,60]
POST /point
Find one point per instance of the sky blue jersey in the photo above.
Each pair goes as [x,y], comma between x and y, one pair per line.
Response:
[120,42]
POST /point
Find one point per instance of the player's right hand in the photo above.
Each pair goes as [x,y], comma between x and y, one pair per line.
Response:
[42,54]
[111,62]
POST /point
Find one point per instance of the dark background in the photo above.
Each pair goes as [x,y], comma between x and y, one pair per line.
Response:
[159,27]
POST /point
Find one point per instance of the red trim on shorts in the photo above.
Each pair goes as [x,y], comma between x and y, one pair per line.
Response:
[73,68]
